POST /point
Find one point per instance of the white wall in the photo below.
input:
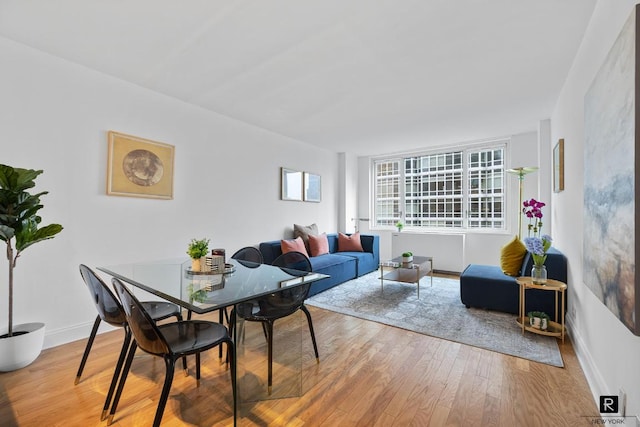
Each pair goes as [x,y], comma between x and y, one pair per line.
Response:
[347,194]
[608,351]
[54,116]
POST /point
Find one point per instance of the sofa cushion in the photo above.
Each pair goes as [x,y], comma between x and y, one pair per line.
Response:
[318,245]
[511,257]
[349,243]
[367,261]
[293,245]
[304,231]
[329,260]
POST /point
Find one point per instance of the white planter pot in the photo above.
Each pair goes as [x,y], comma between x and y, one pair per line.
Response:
[407,259]
[21,350]
[538,323]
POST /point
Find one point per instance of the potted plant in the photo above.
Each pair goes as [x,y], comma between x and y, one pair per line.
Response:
[20,225]
[399,226]
[407,258]
[538,319]
[198,249]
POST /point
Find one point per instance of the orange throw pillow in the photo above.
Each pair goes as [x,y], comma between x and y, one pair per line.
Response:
[293,245]
[349,243]
[318,245]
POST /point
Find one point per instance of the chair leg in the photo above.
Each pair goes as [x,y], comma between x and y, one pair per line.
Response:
[198,368]
[123,380]
[231,354]
[221,321]
[116,373]
[87,349]
[269,331]
[313,335]
[184,358]
[168,379]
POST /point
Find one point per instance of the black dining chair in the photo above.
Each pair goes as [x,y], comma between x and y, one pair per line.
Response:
[110,311]
[171,341]
[281,304]
[248,253]
[249,257]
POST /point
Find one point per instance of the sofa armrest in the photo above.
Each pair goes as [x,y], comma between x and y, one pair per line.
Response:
[371,244]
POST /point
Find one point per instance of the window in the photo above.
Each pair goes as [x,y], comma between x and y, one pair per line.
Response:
[461,189]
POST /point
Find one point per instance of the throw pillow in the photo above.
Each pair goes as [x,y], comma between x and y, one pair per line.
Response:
[318,245]
[304,231]
[349,243]
[511,256]
[293,245]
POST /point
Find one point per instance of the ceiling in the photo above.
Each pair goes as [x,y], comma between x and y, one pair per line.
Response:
[353,76]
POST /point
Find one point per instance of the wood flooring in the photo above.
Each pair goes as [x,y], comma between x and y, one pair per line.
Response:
[369,375]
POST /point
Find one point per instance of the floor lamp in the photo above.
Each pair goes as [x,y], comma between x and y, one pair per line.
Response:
[520,173]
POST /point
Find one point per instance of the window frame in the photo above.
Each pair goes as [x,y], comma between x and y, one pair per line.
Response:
[465,150]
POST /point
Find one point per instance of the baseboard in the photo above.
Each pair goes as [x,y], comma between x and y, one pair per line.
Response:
[446,272]
[596,383]
[62,336]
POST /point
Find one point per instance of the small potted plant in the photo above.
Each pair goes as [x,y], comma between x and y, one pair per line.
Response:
[538,319]
[197,250]
[399,226]
[407,258]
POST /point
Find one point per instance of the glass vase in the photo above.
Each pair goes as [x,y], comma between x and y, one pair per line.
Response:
[539,274]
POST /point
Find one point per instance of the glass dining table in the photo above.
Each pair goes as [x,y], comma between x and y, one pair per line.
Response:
[201,293]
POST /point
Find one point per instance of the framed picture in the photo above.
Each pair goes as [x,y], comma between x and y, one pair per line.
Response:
[558,166]
[291,184]
[139,167]
[312,188]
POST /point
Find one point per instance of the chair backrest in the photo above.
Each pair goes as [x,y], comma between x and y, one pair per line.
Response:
[109,308]
[294,263]
[248,253]
[144,329]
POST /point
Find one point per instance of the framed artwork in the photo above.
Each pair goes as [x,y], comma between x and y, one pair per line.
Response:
[139,167]
[611,242]
[558,166]
[312,188]
[291,184]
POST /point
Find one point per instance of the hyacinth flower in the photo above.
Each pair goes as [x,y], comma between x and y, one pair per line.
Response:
[538,246]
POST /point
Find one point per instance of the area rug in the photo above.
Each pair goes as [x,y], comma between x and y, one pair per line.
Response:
[438,313]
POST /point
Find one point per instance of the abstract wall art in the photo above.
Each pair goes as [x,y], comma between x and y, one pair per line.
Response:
[611,153]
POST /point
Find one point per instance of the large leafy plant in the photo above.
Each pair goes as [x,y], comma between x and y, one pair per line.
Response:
[19,220]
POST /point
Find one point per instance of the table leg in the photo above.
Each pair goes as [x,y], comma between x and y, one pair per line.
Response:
[381,279]
[418,280]
[431,272]
[522,305]
[562,316]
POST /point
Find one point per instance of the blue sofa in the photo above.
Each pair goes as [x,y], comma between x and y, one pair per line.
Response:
[341,266]
[486,286]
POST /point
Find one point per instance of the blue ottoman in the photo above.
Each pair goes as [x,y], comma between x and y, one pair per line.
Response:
[486,286]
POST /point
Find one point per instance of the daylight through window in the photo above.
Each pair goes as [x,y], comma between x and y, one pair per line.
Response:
[458,189]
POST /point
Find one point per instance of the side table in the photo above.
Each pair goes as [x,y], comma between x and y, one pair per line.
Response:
[407,273]
[555,328]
